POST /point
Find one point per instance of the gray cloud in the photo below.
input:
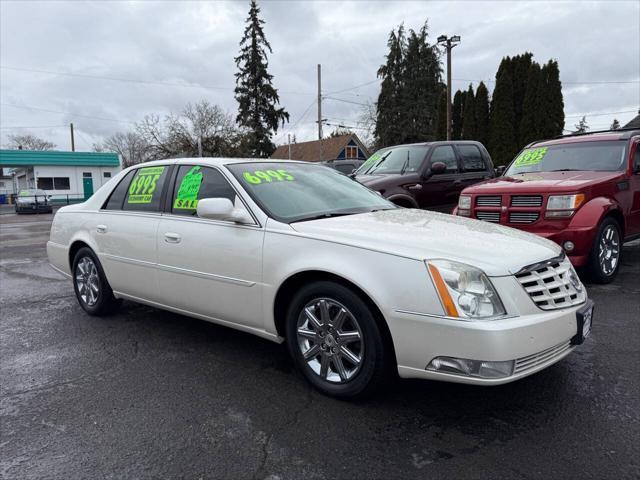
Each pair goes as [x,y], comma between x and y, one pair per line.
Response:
[195,42]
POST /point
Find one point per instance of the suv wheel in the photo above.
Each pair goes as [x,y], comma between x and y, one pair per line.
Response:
[335,341]
[604,259]
[90,284]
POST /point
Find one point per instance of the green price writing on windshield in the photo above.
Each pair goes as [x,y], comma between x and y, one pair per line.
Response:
[531,157]
[259,176]
[144,184]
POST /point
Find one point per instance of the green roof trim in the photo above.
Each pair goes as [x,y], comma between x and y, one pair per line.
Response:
[27,158]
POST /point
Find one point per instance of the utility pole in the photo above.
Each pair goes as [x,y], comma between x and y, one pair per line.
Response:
[200,146]
[289,142]
[448,43]
[73,143]
[320,110]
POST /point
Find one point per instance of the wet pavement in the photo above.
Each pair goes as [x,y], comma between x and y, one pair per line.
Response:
[151,394]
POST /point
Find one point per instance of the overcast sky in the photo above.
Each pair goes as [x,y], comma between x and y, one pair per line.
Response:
[174,52]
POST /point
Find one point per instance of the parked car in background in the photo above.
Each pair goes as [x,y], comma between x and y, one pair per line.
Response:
[33,201]
[581,191]
[344,166]
[297,252]
[426,175]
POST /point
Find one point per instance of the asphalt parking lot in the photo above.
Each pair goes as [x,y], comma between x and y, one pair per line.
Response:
[151,394]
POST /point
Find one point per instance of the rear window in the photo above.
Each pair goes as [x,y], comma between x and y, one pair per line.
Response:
[145,189]
[118,194]
[604,156]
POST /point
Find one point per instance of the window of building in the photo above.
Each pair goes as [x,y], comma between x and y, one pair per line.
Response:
[145,189]
[472,160]
[118,194]
[446,155]
[45,183]
[194,183]
[351,151]
[53,183]
[107,174]
[86,174]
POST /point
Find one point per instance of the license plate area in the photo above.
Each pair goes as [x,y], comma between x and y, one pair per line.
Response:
[584,320]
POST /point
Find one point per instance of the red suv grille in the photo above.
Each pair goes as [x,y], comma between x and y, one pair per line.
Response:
[508,209]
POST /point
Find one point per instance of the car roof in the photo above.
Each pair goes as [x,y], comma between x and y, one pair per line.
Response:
[215,161]
[587,137]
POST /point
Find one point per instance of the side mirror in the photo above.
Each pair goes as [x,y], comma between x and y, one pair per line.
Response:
[222,209]
[438,168]
[500,170]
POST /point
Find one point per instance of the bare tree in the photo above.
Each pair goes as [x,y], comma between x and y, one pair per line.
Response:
[367,120]
[129,145]
[29,142]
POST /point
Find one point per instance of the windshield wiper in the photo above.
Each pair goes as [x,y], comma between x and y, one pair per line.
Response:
[340,214]
[566,170]
[406,163]
[382,159]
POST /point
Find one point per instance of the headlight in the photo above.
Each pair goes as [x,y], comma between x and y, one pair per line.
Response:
[465,291]
[563,205]
[464,202]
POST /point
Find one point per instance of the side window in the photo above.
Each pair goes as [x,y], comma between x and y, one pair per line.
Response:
[446,155]
[194,183]
[472,160]
[145,189]
[118,193]
[636,159]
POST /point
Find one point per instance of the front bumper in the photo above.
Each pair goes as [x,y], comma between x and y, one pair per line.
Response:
[533,338]
[582,238]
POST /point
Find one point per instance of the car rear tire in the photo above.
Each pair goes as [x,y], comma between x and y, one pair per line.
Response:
[92,289]
[604,259]
[335,341]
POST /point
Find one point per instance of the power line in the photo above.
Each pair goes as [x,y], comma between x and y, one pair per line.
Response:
[346,101]
[597,114]
[134,80]
[354,87]
[66,113]
[304,114]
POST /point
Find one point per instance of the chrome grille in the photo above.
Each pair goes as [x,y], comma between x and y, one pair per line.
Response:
[532,361]
[526,201]
[488,216]
[523,217]
[489,201]
[552,284]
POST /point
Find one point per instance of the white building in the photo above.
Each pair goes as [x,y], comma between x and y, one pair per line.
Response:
[73,176]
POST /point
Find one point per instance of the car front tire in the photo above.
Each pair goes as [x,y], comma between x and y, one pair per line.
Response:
[335,341]
[90,284]
[604,259]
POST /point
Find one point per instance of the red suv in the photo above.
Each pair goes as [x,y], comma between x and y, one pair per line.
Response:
[581,191]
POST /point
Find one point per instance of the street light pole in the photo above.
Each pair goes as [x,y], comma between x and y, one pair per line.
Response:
[448,43]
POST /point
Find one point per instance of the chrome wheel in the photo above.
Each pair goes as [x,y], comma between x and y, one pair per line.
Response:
[87,281]
[609,250]
[330,340]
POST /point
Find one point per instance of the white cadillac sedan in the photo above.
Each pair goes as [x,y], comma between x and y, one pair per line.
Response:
[296,252]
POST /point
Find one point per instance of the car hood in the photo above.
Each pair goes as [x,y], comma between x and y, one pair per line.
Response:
[373,181]
[422,234]
[542,182]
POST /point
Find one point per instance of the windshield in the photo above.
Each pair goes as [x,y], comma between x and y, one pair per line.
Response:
[31,192]
[291,192]
[403,159]
[594,156]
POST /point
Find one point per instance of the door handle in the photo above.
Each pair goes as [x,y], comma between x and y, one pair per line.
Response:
[457,182]
[101,228]
[417,186]
[171,237]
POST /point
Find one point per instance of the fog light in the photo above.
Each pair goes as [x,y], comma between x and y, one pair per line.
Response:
[471,368]
[568,246]
[463,212]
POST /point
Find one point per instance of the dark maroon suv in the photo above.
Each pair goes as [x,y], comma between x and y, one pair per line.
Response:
[426,175]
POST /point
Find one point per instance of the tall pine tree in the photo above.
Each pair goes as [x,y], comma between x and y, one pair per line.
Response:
[502,132]
[469,128]
[390,121]
[532,109]
[521,65]
[553,101]
[441,126]
[482,114]
[457,111]
[254,92]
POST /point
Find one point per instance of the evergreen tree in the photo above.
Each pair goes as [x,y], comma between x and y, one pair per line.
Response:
[469,127]
[581,126]
[254,92]
[553,103]
[615,125]
[457,110]
[502,132]
[390,122]
[441,126]
[532,111]
[482,114]
[521,68]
